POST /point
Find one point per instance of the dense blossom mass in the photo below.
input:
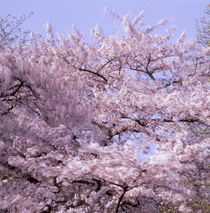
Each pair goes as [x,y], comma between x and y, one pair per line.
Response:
[120,124]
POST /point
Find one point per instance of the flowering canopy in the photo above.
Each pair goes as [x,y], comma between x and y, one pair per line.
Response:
[74,115]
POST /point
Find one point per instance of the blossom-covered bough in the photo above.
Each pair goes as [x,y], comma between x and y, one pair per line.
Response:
[121,125]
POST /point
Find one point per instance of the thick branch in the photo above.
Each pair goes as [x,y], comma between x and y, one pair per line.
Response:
[94,73]
[125,188]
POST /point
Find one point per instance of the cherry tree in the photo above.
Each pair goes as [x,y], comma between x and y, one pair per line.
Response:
[10,29]
[121,125]
[203,27]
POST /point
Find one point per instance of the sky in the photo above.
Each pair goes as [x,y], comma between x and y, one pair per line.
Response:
[85,14]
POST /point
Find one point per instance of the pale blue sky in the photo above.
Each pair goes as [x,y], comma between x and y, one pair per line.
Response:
[87,13]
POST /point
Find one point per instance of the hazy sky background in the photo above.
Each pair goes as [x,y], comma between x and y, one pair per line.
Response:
[87,13]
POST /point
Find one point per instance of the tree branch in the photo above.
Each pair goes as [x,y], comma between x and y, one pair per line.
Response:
[94,73]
